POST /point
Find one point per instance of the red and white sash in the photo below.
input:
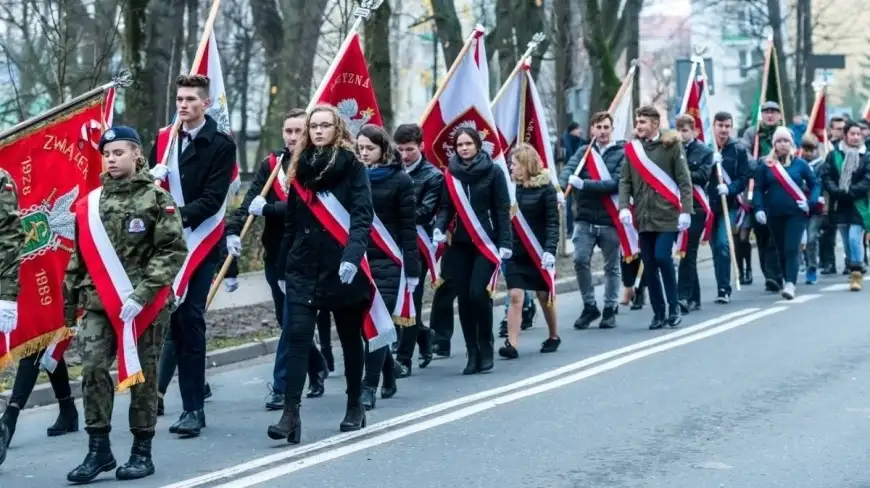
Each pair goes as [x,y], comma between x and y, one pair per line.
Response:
[744,209]
[626,232]
[654,176]
[429,251]
[201,240]
[53,354]
[682,244]
[787,183]
[403,312]
[278,183]
[473,226]
[114,287]
[536,251]
[378,326]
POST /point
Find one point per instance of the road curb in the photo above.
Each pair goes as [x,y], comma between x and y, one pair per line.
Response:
[44,395]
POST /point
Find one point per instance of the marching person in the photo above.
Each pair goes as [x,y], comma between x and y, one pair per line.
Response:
[320,271]
[846,178]
[476,197]
[273,208]
[735,175]
[206,157]
[539,205]
[780,203]
[828,231]
[700,161]
[133,223]
[810,153]
[428,182]
[593,223]
[11,244]
[396,231]
[657,179]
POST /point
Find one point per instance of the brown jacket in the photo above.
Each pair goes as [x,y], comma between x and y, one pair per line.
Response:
[652,212]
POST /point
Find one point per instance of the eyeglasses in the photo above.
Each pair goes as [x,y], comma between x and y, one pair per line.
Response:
[325,125]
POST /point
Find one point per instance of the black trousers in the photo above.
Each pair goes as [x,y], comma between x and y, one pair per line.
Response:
[629,275]
[27,374]
[767,253]
[471,272]
[688,287]
[187,324]
[377,362]
[300,329]
[827,244]
[417,334]
[441,317]
[786,233]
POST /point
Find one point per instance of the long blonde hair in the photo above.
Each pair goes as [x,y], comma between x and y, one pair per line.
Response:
[526,156]
[343,140]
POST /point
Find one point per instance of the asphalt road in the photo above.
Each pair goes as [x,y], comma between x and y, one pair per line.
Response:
[759,393]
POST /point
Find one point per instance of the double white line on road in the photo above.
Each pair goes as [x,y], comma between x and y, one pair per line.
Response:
[340,445]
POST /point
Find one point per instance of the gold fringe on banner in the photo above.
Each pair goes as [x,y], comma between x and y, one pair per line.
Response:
[131,381]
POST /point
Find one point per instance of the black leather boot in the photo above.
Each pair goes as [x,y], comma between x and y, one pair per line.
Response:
[486,357]
[368,398]
[4,442]
[289,426]
[472,365]
[139,465]
[99,460]
[191,423]
[10,420]
[67,419]
[354,417]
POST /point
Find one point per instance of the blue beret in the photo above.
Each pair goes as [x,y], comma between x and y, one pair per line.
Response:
[120,133]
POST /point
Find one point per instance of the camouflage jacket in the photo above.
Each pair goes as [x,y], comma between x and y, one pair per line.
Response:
[145,228]
[11,238]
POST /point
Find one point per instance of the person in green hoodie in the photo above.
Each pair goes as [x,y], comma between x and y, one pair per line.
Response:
[656,179]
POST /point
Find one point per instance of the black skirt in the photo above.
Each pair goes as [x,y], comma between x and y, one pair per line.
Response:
[524,274]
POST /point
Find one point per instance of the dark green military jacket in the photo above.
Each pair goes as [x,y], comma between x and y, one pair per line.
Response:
[11,238]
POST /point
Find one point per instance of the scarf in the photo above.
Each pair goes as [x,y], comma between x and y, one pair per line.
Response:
[851,158]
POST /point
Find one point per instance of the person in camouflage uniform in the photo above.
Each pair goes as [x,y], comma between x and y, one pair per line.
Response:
[11,242]
[152,255]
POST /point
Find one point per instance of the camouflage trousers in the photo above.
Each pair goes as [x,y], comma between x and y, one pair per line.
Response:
[99,347]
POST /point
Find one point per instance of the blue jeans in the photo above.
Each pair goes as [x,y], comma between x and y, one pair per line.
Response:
[853,241]
[569,215]
[527,297]
[722,251]
[656,252]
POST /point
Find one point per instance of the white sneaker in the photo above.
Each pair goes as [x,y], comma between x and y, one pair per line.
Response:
[788,291]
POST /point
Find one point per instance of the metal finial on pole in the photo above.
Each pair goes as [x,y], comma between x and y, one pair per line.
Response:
[536,39]
[123,79]
[366,7]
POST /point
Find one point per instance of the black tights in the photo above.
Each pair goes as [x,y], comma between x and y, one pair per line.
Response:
[25,380]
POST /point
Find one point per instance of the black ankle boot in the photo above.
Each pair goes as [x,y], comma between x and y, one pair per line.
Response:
[486,358]
[472,365]
[4,442]
[354,417]
[139,465]
[10,420]
[99,460]
[289,426]
[367,397]
[67,419]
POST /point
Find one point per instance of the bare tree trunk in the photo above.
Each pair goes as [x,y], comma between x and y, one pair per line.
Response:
[377,52]
[632,49]
[449,29]
[193,33]
[244,81]
[605,35]
[563,48]
[776,23]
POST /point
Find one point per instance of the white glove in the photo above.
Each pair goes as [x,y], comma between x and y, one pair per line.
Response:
[505,253]
[684,221]
[413,283]
[548,261]
[438,237]
[761,217]
[803,205]
[282,285]
[8,316]
[717,158]
[256,206]
[576,182]
[346,272]
[821,200]
[560,197]
[159,172]
[130,310]
[722,188]
[231,284]
[234,245]
[625,216]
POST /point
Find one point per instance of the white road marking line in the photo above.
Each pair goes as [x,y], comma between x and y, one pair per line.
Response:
[476,408]
[208,478]
[798,299]
[837,287]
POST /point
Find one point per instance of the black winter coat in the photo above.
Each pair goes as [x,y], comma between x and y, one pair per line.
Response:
[538,203]
[486,187]
[842,208]
[588,203]
[393,202]
[735,163]
[273,212]
[206,167]
[311,255]
[700,160]
[428,183]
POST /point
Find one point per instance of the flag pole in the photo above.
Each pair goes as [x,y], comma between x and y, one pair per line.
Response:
[626,82]
[123,79]
[478,29]
[537,39]
[362,13]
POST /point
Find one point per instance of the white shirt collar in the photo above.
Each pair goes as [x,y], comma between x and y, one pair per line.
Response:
[193,132]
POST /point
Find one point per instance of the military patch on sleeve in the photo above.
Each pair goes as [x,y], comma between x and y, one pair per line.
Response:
[136,226]
[170,209]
